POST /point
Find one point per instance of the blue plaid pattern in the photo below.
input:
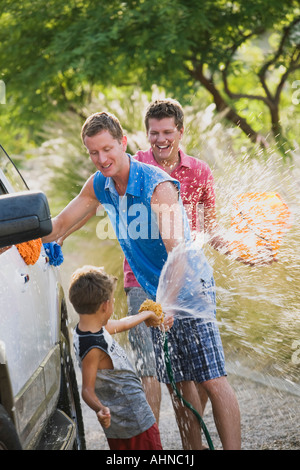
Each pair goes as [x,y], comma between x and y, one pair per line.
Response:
[195,350]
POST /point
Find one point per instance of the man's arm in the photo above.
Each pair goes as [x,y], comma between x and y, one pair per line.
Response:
[217,239]
[78,209]
[214,231]
[165,204]
[80,224]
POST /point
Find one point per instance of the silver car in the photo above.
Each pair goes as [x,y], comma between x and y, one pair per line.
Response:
[39,399]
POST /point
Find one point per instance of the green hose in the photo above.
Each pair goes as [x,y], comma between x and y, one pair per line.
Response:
[186,403]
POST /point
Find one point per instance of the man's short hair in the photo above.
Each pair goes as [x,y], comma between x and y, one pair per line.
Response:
[165,108]
[90,286]
[99,122]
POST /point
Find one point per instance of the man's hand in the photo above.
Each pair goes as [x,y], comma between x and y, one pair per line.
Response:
[168,321]
[264,257]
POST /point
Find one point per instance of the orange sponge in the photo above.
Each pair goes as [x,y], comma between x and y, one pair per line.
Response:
[30,251]
[154,307]
[258,220]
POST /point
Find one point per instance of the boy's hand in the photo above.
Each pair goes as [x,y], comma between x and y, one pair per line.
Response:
[151,308]
[166,323]
[153,320]
[104,417]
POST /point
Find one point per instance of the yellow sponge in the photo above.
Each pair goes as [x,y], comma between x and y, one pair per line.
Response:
[154,307]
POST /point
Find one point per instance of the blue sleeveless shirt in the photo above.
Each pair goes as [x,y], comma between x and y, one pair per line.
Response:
[135,223]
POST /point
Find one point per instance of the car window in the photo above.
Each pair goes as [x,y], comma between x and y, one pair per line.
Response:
[10,178]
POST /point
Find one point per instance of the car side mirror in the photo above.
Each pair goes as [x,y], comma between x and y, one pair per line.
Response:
[24,216]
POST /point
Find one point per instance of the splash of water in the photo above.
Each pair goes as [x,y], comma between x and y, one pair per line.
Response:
[186,286]
[258,307]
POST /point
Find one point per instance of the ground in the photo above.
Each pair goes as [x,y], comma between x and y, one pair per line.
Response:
[269,419]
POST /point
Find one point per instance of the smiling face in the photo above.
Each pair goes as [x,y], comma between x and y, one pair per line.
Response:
[107,153]
[164,138]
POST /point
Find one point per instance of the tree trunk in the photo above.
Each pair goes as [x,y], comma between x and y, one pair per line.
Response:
[231,115]
[282,143]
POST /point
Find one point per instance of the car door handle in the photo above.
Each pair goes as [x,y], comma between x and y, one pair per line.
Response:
[44,262]
[23,280]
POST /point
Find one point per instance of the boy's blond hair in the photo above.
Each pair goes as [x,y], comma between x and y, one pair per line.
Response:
[90,286]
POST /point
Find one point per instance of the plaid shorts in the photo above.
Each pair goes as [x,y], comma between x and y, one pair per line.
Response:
[195,351]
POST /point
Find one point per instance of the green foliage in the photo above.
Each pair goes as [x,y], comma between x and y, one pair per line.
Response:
[55,56]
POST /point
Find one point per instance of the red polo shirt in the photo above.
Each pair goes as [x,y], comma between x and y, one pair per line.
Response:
[196,187]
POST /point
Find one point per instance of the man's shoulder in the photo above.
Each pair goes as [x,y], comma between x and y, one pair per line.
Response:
[194,162]
[97,177]
[144,156]
[97,184]
[150,169]
[197,168]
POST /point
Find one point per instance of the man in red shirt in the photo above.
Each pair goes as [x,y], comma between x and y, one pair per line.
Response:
[164,126]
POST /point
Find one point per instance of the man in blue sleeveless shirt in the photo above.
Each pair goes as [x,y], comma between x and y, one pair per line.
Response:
[145,209]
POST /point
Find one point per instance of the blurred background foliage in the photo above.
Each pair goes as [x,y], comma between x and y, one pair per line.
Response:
[234,66]
[243,57]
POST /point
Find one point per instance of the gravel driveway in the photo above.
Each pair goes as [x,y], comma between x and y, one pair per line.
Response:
[269,419]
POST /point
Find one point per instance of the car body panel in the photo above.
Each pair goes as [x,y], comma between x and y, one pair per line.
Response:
[28,306]
[37,399]
[33,340]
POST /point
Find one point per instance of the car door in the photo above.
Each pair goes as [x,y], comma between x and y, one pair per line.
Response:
[29,325]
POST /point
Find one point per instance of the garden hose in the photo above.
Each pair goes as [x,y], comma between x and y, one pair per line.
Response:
[186,403]
[157,309]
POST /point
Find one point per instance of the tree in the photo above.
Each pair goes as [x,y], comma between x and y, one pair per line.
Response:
[55,55]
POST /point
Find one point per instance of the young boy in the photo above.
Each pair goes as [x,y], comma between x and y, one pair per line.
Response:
[110,385]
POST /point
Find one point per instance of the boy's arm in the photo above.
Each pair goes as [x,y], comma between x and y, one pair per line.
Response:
[117,326]
[89,369]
